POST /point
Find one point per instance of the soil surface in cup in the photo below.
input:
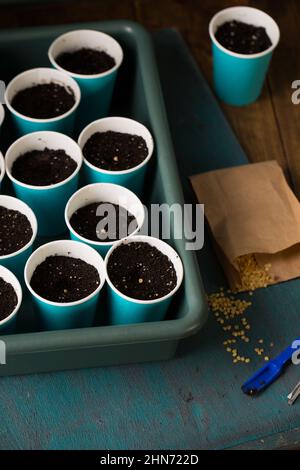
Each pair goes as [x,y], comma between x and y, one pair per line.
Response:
[8,299]
[141,271]
[243,38]
[115,151]
[86,61]
[15,231]
[64,279]
[43,167]
[112,223]
[44,101]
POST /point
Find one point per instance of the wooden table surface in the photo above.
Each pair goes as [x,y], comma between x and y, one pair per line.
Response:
[268,129]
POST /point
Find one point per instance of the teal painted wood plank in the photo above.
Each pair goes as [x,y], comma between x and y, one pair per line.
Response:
[193,401]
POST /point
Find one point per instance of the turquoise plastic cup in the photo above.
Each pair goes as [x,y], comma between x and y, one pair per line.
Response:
[64,123]
[57,315]
[8,324]
[2,168]
[108,193]
[238,78]
[97,89]
[47,202]
[133,178]
[126,310]
[16,261]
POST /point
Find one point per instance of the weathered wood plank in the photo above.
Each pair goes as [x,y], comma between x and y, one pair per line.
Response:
[46,13]
[285,68]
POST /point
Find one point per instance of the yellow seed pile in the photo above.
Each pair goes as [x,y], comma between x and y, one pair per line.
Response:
[252,275]
[229,312]
[227,305]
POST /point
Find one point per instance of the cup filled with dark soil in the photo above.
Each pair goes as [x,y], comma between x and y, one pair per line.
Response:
[243,41]
[18,230]
[116,150]
[43,99]
[44,170]
[143,274]
[100,214]
[2,168]
[93,59]
[10,300]
[65,279]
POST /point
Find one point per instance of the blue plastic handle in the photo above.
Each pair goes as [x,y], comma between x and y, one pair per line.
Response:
[268,373]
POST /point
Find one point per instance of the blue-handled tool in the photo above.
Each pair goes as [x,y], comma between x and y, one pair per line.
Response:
[268,373]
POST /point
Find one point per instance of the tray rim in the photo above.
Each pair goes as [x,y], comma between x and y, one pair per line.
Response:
[167,330]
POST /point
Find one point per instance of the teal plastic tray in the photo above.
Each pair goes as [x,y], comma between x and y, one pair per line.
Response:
[138,95]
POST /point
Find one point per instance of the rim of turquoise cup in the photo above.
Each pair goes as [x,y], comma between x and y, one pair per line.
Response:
[49,186]
[125,120]
[100,263]
[33,222]
[80,75]
[9,277]
[95,185]
[161,246]
[61,76]
[236,54]
[2,167]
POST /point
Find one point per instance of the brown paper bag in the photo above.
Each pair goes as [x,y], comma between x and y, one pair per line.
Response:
[252,210]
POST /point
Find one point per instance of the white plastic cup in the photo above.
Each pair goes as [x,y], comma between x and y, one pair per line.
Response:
[127,310]
[64,123]
[48,202]
[109,193]
[8,324]
[15,262]
[58,315]
[97,89]
[133,178]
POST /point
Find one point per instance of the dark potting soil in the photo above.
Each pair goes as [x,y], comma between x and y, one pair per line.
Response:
[44,101]
[43,167]
[115,222]
[15,231]
[64,279]
[86,61]
[243,38]
[8,299]
[141,271]
[115,151]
